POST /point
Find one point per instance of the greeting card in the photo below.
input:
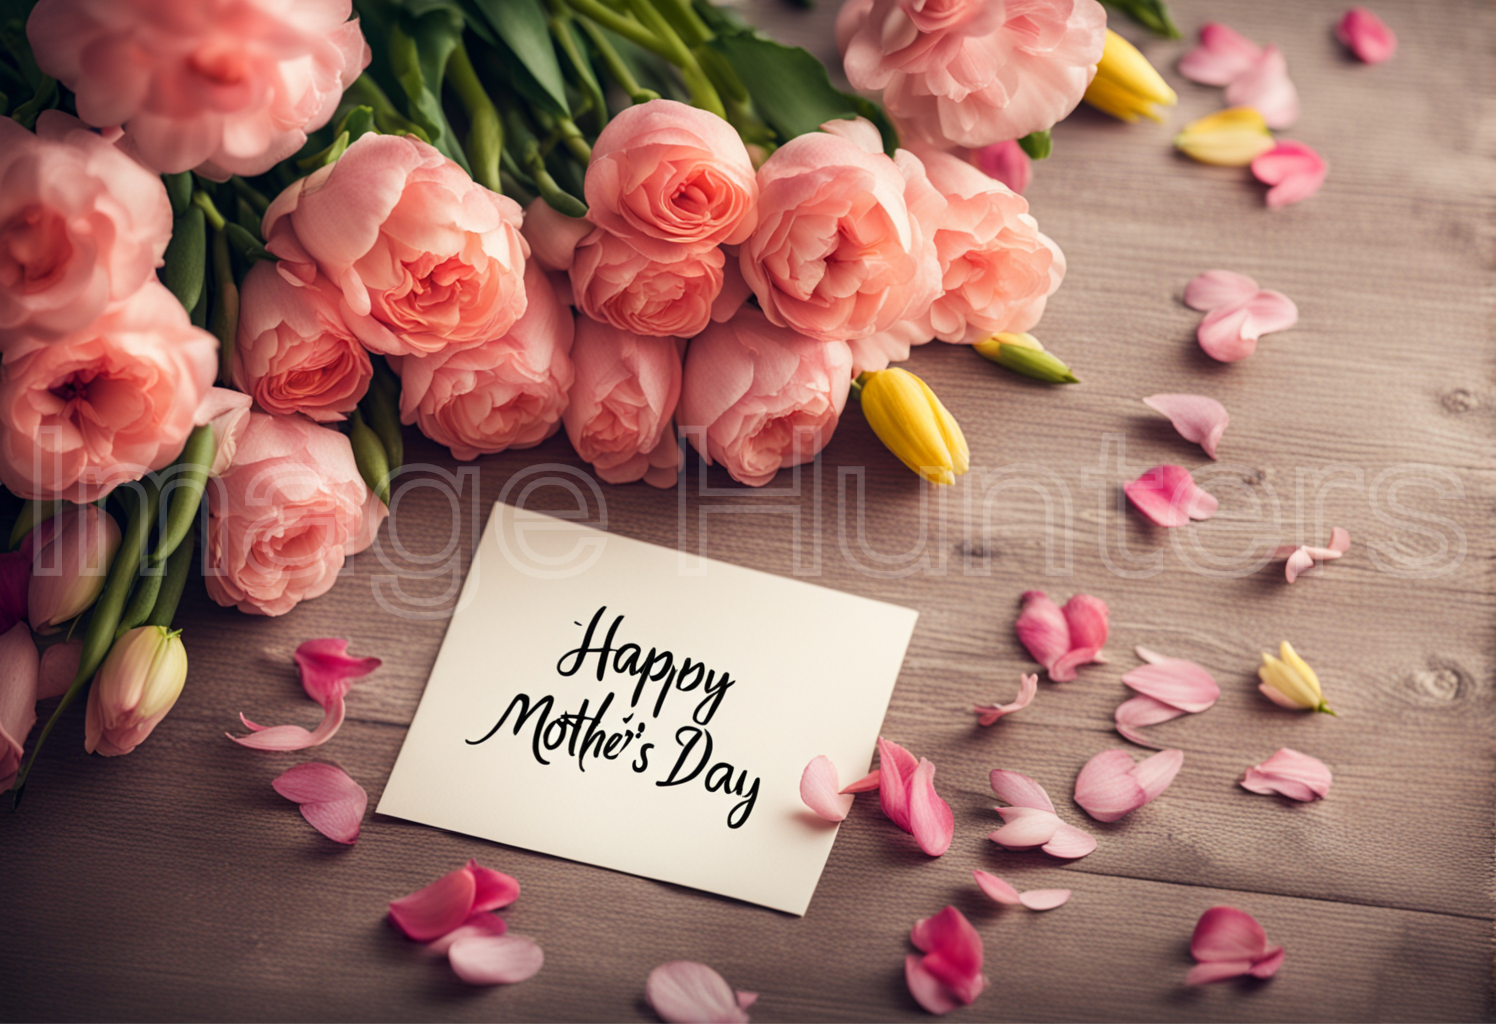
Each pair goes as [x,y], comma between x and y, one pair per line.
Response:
[620,704]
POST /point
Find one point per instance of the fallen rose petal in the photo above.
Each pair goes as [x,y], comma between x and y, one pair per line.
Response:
[989,713]
[1216,288]
[1217,970]
[897,766]
[495,959]
[1291,774]
[1223,56]
[1227,934]
[818,790]
[1297,562]
[996,888]
[746,999]
[866,784]
[1070,843]
[1176,682]
[1267,89]
[929,991]
[1025,828]
[1197,418]
[436,909]
[1042,628]
[1019,790]
[1087,620]
[1340,539]
[953,953]
[1295,172]
[1269,964]
[1366,35]
[1169,496]
[331,802]
[282,738]
[1138,712]
[480,925]
[1045,899]
[686,992]
[328,669]
[931,821]
[1229,334]
[491,889]
[1155,772]
[1110,786]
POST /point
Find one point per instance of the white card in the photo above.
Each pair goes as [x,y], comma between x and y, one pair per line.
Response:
[775,672]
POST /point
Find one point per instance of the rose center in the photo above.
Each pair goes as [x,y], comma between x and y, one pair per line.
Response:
[34,249]
[219,64]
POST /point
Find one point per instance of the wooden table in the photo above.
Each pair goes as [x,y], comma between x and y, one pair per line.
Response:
[174,884]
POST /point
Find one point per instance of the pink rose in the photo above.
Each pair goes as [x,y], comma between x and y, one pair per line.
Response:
[426,258]
[757,397]
[294,353]
[619,411]
[81,226]
[223,86]
[613,281]
[285,516]
[842,250]
[506,393]
[104,404]
[669,177]
[1016,69]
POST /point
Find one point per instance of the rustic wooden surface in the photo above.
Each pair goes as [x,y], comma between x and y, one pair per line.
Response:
[174,884]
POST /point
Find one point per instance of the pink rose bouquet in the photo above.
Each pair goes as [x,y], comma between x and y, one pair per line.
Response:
[619,417]
[614,282]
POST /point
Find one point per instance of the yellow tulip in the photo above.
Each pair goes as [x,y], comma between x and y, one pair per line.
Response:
[911,422]
[1126,85]
[1233,137]
[137,685]
[1289,682]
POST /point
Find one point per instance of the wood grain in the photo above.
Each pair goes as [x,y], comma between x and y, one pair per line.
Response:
[174,884]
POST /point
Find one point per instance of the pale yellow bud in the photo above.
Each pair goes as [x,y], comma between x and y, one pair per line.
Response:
[909,419]
[1289,682]
[1233,137]
[1126,85]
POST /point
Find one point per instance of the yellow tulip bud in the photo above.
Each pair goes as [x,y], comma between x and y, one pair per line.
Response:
[909,419]
[1233,137]
[1126,85]
[1289,682]
[136,686]
[1023,354]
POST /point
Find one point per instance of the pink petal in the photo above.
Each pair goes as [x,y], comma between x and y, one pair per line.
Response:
[433,911]
[1176,682]
[1105,787]
[953,952]
[1156,772]
[1267,966]
[1340,539]
[495,959]
[1042,628]
[1227,934]
[1169,496]
[1297,562]
[1216,288]
[1223,334]
[1290,773]
[1366,35]
[1197,418]
[1218,970]
[479,925]
[331,802]
[686,992]
[1025,828]
[746,999]
[818,789]
[1087,618]
[1269,312]
[1070,843]
[328,670]
[282,738]
[1294,170]
[58,667]
[1223,56]
[1137,712]
[1019,790]
[15,581]
[1063,670]
[491,889]
[1045,899]
[1028,686]
[930,818]
[897,767]
[929,991]
[866,784]
[996,888]
[1266,88]
[1007,162]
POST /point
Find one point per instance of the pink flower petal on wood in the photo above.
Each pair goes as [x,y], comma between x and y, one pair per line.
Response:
[996,888]
[1025,828]
[1087,619]
[491,889]
[1138,712]
[986,714]
[1176,682]
[1019,790]
[327,670]
[897,767]
[1340,540]
[1269,312]
[495,959]
[1366,35]
[1110,786]
[1070,843]
[746,999]
[1045,899]
[1300,561]
[818,790]
[686,992]
[433,911]
[1217,970]
[1268,965]
[1216,288]
[480,925]
[953,953]
[1291,774]
[1042,628]
[1198,419]
[1227,934]
[866,784]
[331,802]
[1222,335]
[1155,772]
[282,738]
[1223,56]
[930,819]
[1169,496]
[1266,88]
[929,991]
[1295,172]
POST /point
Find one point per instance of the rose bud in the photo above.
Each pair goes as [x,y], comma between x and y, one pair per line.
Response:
[1289,682]
[136,686]
[69,564]
[619,409]
[914,425]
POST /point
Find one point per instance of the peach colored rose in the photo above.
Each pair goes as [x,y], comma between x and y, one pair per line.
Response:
[756,397]
[104,404]
[223,86]
[426,258]
[973,80]
[613,281]
[506,393]
[841,250]
[669,177]
[294,353]
[285,515]
[81,226]
[619,409]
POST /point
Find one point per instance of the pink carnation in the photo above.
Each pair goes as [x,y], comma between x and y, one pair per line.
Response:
[222,86]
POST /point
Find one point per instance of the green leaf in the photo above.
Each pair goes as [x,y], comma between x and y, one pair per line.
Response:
[1037,145]
[790,88]
[187,257]
[419,48]
[1151,14]
[524,42]
[248,245]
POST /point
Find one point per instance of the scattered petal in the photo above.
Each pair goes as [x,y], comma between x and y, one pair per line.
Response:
[491,889]
[1295,172]
[1138,712]
[1198,419]
[1291,774]
[896,766]
[1031,820]
[1019,790]
[931,821]
[331,802]
[1070,843]
[1267,89]
[1365,35]
[1176,682]
[1169,496]
[1061,639]
[1042,628]
[950,972]
[996,888]
[1216,288]
[1110,786]
[1045,899]
[1223,56]
[1217,970]
[927,989]
[1269,964]
[1297,562]
[495,959]
[818,789]
[686,992]
[1227,138]
[327,673]
[1340,540]
[1087,618]
[866,784]
[988,713]
[1226,934]
[451,901]
[480,925]
[1025,828]
[1238,314]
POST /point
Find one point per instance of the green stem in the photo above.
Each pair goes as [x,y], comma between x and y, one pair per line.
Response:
[686,21]
[251,194]
[485,138]
[178,566]
[703,93]
[617,69]
[561,23]
[33,514]
[204,202]
[225,322]
[627,27]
